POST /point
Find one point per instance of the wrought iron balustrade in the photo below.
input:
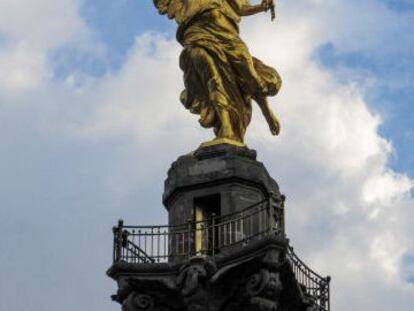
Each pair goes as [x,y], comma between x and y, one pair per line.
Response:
[151,244]
[313,285]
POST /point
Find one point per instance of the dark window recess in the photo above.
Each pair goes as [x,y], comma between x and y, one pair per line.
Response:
[209,205]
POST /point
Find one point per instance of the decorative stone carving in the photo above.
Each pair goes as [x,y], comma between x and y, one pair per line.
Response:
[138,302]
[192,282]
[264,288]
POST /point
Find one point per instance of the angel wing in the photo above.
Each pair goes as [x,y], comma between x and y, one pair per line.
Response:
[173,8]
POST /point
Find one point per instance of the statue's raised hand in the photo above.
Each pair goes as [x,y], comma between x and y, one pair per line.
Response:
[266,4]
[269,5]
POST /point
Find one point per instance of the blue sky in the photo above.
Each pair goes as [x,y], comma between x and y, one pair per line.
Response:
[90,122]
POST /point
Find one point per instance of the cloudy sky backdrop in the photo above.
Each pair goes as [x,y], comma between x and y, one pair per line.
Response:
[90,122]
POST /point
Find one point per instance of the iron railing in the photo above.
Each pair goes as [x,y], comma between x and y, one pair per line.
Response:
[313,286]
[147,244]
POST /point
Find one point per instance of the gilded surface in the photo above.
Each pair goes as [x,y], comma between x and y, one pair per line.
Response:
[221,77]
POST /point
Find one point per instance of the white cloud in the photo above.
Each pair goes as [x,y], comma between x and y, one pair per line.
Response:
[43,22]
[31,30]
[137,99]
[21,68]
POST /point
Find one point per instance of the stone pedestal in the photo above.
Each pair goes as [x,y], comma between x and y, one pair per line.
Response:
[225,247]
[223,179]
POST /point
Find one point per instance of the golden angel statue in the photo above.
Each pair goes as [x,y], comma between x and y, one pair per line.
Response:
[221,78]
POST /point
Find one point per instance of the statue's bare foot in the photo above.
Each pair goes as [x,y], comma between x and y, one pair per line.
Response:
[272,121]
[274,124]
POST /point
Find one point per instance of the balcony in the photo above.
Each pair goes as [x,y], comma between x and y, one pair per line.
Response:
[219,235]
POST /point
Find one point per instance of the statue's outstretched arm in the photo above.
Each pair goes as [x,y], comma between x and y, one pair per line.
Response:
[246,10]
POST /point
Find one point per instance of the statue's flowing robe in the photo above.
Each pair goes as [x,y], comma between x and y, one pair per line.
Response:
[219,72]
